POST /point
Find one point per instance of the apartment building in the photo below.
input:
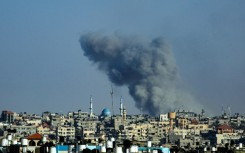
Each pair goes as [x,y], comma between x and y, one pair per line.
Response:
[24,130]
[7,116]
[66,131]
[44,130]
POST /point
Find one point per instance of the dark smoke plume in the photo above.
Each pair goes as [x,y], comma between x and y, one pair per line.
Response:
[147,68]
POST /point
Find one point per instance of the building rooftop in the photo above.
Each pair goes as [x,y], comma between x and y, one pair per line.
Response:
[35,136]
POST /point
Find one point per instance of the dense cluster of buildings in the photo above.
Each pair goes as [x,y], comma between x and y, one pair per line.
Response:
[180,129]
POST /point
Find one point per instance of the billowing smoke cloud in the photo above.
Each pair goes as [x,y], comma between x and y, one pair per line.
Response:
[146,67]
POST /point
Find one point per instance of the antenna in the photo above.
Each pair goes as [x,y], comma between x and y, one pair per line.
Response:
[112,107]
[112,92]
[222,110]
[229,110]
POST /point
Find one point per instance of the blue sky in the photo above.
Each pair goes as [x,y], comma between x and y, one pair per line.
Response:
[42,66]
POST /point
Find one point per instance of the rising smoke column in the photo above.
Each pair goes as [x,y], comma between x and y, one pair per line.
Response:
[146,67]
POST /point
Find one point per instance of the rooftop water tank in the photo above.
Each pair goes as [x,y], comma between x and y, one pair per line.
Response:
[149,144]
[103,149]
[14,142]
[24,142]
[53,150]
[119,150]
[4,142]
[81,147]
[10,137]
[172,115]
[240,145]
[109,144]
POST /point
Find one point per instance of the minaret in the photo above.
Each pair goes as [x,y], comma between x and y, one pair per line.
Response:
[91,106]
[124,115]
[121,106]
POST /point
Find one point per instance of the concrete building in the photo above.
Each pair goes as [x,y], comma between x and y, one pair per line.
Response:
[24,130]
[35,122]
[224,129]
[44,130]
[66,131]
[138,131]
[163,117]
[7,116]
[224,138]
[201,127]
[235,120]
[182,123]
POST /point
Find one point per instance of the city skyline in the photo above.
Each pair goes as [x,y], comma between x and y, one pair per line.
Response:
[43,67]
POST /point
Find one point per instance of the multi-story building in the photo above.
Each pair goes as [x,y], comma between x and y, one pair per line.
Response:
[224,138]
[35,122]
[66,131]
[7,116]
[86,127]
[24,130]
[182,122]
[138,131]
[55,119]
[160,128]
[235,120]
[44,130]
[201,127]
[225,134]
[184,128]
[163,117]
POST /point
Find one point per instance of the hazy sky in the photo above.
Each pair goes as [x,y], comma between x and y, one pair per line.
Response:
[42,66]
